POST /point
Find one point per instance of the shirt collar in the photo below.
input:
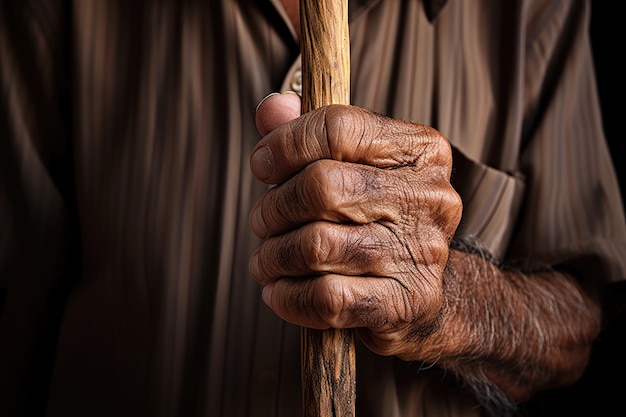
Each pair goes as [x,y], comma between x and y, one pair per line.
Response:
[356,7]
[431,7]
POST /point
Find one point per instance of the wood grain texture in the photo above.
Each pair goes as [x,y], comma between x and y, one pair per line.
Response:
[328,356]
[328,372]
[325,46]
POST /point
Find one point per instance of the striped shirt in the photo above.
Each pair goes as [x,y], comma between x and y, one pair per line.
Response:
[125,135]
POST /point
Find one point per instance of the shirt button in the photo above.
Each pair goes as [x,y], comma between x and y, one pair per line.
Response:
[296,81]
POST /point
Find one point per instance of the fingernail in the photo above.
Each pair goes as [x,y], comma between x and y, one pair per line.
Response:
[258,224]
[264,98]
[253,265]
[289,92]
[267,294]
[262,163]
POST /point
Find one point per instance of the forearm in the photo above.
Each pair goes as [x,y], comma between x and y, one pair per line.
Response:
[523,332]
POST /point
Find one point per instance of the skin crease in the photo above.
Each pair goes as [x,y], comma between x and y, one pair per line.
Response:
[357,235]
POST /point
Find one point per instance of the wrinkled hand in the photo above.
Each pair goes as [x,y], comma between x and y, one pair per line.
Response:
[357,229]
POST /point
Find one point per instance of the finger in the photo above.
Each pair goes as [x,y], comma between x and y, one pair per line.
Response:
[324,247]
[275,110]
[350,134]
[332,191]
[338,301]
[358,194]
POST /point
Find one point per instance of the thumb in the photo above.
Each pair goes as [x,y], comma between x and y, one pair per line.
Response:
[276,109]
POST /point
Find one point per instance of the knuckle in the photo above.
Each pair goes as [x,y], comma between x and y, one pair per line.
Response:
[448,211]
[337,190]
[450,201]
[267,263]
[363,252]
[438,152]
[444,148]
[319,184]
[346,250]
[315,247]
[313,142]
[455,204]
[345,131]
[335,120]
[329,300]
[271,213]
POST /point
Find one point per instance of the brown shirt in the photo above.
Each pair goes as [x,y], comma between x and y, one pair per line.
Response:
[125,133]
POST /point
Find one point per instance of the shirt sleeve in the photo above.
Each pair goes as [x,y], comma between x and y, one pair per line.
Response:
[572,215]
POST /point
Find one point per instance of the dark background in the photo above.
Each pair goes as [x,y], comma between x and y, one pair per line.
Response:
[602,390]
[609,48]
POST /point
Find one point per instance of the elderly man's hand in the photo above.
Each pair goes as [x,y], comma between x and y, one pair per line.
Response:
[358,226]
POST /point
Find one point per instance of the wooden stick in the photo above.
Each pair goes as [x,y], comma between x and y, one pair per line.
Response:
[325,46]
[328,356]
